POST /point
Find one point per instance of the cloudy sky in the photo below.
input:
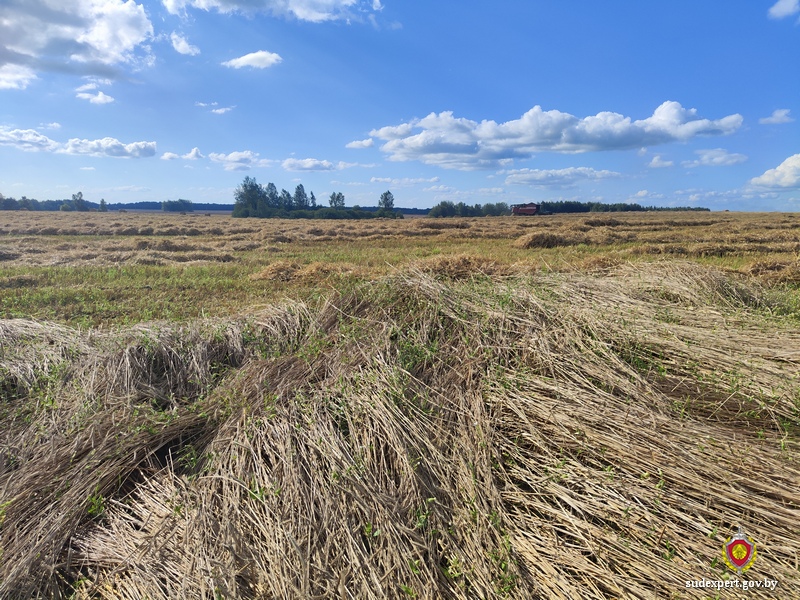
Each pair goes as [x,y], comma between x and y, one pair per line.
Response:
[679,103]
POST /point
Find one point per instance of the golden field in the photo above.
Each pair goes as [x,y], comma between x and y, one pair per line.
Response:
[567,406]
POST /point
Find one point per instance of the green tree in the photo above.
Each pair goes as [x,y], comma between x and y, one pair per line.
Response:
[103,205]
[246,197]
[78,203]
[313,200]
[273,199]
[386,201]
[300,197]
[336,200]
[286,200]
[179,205]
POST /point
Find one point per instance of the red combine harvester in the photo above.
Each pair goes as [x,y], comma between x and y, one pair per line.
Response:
[531,208]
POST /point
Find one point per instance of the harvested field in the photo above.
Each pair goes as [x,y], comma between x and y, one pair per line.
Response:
[418,416]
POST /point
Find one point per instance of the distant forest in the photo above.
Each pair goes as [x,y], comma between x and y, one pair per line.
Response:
[251,199]
[254,200]
[450,209]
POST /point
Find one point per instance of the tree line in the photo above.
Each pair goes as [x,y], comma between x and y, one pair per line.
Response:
[251,199]
[77,203]
[572,206]
[450,209]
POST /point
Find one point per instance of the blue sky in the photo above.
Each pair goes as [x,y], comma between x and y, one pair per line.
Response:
[682,103]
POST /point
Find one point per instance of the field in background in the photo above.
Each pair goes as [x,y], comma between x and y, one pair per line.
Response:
[574,406]
[121,268]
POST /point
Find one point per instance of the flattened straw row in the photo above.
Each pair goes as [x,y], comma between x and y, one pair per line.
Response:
[521,438]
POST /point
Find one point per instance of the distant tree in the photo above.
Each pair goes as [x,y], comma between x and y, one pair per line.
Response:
[103,205]
[286,200]
[313,200]
[272,197]
[386,201]
[336,200]
[300,197]
[8,203]
[78,203]
[28,203]
[246,197]
[179,205]
[66,207]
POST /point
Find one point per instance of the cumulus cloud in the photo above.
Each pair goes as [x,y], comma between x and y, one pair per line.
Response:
[31,140]
[98,98]
[717,157]
[646,195]
[448,141]
[28,140]
[784,176]
[256,60]
[307,164]
[109,146]
[778,117]
[659,163]
[784,8]
[557,178]
[83,36]
[182,45]
[223,110]
[403,181]
[15,77]
[358,144]
[193,154]
[439,189]
[239,161]
[315,11]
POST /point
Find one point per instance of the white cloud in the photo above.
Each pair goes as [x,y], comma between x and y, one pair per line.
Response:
[32,141]
[717,157]
[439,188]
[557,178]
[348,165]
[659,163]
[52,125]
[240,161]
[222,111]
[84,36]
[109,147]
[403,181]
[98,98]
[786,175]
[307,164]
[451,142]
[15,77]
[358,144]
[193,154]
[87,168]
[315,11]
[205,104]
[646,195]
[257,60]
[778,117]
[28,140]
[182,45]
[784,8]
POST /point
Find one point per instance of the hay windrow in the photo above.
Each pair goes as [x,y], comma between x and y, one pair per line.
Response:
[556,435]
